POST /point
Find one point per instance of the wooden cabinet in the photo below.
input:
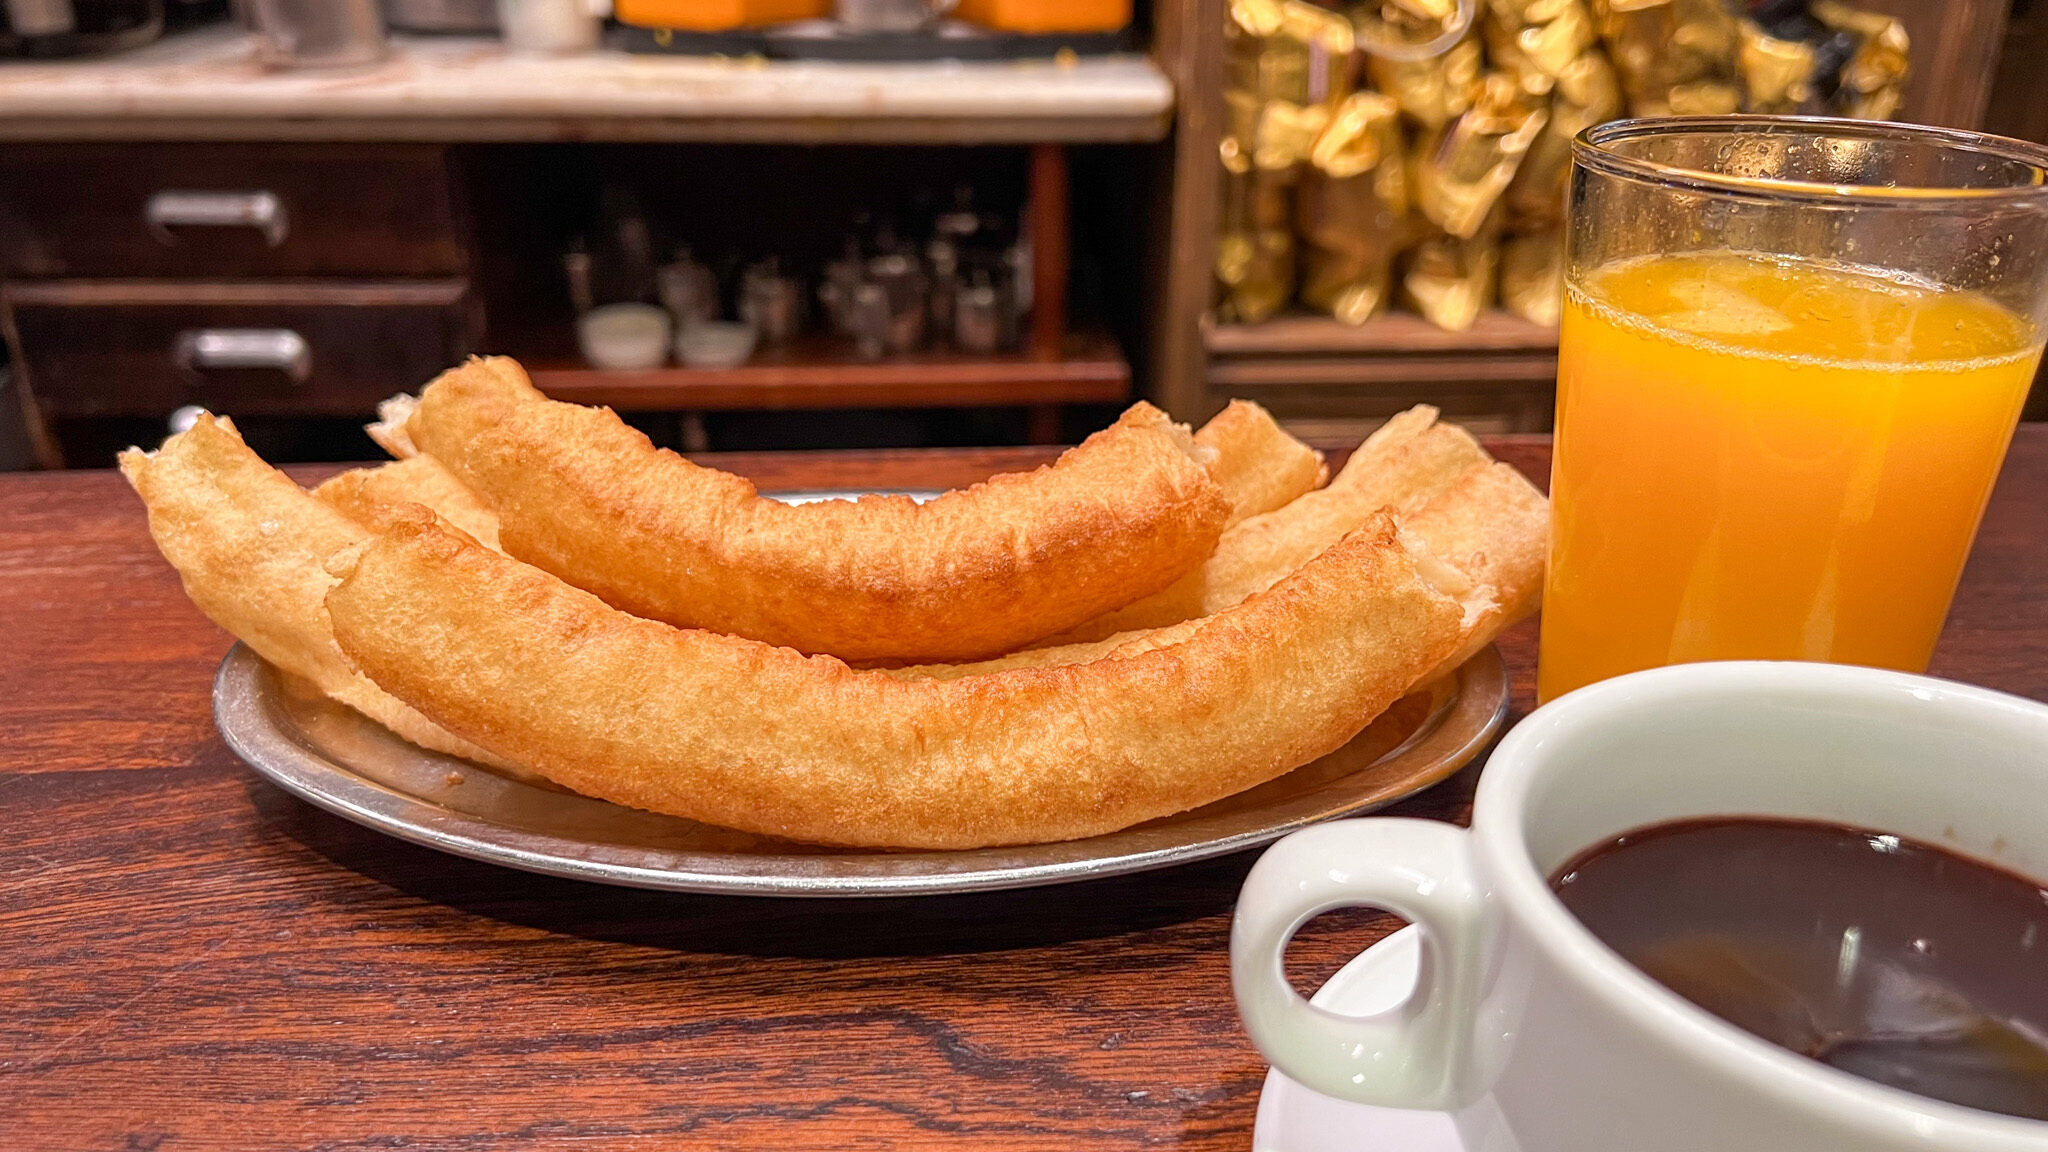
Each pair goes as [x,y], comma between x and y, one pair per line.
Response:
[313,279]
[256,279]
[142,349]
[230,211]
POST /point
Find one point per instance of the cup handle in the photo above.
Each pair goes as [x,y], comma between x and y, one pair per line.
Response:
[1422,870]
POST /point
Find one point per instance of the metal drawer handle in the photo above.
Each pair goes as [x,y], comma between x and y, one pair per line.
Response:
[279,348]
[262,211]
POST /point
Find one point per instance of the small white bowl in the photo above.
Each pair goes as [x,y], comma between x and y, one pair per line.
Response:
[715,344]
[624,337]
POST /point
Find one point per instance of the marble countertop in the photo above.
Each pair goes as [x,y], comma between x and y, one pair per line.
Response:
[206,84]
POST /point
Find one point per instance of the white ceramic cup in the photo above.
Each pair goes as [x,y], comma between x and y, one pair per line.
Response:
[1538,1037]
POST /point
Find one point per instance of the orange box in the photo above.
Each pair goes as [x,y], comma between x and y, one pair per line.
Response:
[716,15]
[1046,15]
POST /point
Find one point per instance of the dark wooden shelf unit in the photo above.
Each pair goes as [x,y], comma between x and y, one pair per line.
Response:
[1388,333]
[800,204]
[821,372]
[1397,348]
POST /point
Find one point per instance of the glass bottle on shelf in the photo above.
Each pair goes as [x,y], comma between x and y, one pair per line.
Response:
[688,289]
[868,316]
[980,315]
[903,284]
[843,274]
[942,258]
[772,301]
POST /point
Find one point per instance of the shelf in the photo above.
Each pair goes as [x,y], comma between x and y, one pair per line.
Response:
[205,85]
[1313,371]
[1395,349]
[1394,332]
[820,372]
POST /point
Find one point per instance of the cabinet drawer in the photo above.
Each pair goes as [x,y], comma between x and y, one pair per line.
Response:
[199,211]
[313,351]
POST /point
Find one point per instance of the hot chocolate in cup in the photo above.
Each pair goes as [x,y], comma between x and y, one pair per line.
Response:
[1537,1036]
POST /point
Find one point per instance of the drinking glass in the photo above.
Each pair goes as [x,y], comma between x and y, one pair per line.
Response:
[1793,353]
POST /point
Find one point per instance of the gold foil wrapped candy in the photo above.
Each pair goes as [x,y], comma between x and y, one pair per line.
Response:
[1287,50]
[1675,57]
[1586,94]
[1777,74]
[1288,63]
[1393,29]
[1549,47]
[1285,133]
[1532,276]
[1448,182]
[1539,36]
[1433,91]
[1822,58]
[1874,80]
[1461,171]
[1351,209]
[1255,250]
[1449,279]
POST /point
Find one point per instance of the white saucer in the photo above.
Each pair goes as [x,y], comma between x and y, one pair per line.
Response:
[1296,1119]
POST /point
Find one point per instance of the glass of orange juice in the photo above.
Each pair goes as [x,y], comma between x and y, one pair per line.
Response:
[1793,353]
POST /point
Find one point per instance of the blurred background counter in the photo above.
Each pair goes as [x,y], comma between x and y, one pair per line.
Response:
[207,85]
[182,225]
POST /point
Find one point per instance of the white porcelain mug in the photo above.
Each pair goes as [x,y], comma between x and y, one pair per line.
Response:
[1539,1038]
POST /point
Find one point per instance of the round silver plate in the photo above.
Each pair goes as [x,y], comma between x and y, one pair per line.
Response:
[333,756]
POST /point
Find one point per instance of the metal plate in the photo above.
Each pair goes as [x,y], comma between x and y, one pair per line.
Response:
[351,766]
[332,756]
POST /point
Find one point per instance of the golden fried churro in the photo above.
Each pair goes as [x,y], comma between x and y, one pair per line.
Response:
[971,573]
[1402,466]
[370,496]
[1486,528]
[1253,460]
[764,739]
[1259,466]
[1494,526]
[250,546]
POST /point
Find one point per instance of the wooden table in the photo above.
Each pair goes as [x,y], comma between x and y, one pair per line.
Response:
[191,959]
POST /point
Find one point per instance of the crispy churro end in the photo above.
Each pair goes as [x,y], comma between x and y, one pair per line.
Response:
[133,461]
[389,432]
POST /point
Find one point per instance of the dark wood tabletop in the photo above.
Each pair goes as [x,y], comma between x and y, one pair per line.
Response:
[192,959]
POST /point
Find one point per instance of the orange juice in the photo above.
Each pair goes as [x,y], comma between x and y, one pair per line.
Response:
[1764,458]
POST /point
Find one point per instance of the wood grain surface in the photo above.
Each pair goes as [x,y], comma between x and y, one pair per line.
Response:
[191,959]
